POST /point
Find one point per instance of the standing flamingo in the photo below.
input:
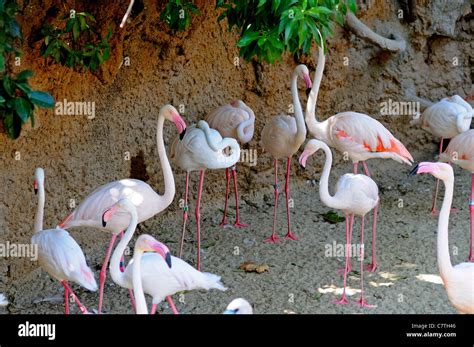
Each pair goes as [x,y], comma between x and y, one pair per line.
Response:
[58,253]
[235,120]
[239,306]
[147,201]
[354,134]
[445,119]
[282,136]
[458,280]
[161,275]
[356,195]
[460,151]
[199,149]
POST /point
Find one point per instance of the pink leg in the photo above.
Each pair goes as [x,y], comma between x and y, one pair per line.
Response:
[103,271]
[274,238]
[372,266]
[471,208]
[348,244]
[66,300]
[434,210]
[198,219]
[355,167]
[349,223]
[185,215]
[237,223]
[289,235]
[171,303]
[361,302]
[223,223]
[153,308]
[81,306]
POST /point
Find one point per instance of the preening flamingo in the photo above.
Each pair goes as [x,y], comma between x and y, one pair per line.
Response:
[356,195]
[239,306]
[147,201]
[458,280]
[460,151]
[235,120]
[354,134]
[445,119]
[282,136]
[58,253]
[199,149]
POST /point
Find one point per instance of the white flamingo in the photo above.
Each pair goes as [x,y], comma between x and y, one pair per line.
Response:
[282,136]
[144,197]
[355,195]
[239,306]
[58,253]
[199,149]
[354,134]
[459,279]
[161,275]
[445,119]
[235,120]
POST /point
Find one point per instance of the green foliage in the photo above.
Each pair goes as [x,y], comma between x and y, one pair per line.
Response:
[333,218]
[76,44]
[9,30]
[18,101]
[177,14]
[268,28]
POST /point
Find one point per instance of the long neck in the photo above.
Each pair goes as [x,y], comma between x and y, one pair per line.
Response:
[444,261]
[310,117]
[326,198]
[40,210]
[170,188]
[246,128]
[300,125]
[117,275]
[137,283]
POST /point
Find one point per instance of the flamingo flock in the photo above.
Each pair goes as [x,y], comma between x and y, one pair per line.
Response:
[214,143]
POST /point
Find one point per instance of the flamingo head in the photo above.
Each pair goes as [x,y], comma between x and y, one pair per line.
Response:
[311,147]
[237,103]
[170,113]
[239,306]
[441,171]
[122,204]
[147,243]
[303,73]
[39,178]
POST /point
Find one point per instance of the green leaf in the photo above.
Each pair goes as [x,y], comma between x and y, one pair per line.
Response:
[333,218]
[22,108]
[24,87]
[69,24]
[83,23]
[7,85]
[41,99]
[12,125]
[248,38]
[32,119]
[75,30]
[2,100]
[24,75]
[353,6]
[2,62]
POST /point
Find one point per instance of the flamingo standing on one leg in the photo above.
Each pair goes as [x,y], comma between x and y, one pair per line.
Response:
[239,306]
[282,136]
[458,280]
[235,120]
[199,149]
[460,151]
[356,195]
[445,119]
[147,201]
[58,253]
[354,134]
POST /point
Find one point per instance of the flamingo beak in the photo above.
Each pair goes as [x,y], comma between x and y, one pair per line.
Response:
[303,158]
[227,311]
[181,135]
[179,122]
[108,213]
[414,171]
[36,187]
[168,259]
[308,82]
[161,249]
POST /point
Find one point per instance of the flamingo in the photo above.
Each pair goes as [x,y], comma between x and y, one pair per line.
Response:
[459,279]
[354,134]
[239,306]
[445,119]
[235,120]
[147,201]
[159,278]
[201,148]
[125,17]
[460,151]
[58,253]
[282,136]
[356,195]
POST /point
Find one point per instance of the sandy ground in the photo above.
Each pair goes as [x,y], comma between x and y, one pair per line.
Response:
[301,278]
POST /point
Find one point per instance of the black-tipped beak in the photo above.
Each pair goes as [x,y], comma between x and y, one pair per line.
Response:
[302,167]
[308,90]
[414,171]
[104,223]
[168,259]
[36,191]
[181,136]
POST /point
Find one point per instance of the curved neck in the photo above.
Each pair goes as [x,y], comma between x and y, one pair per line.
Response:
[137,283]
[311,121]
[300,124]
[326,198]
[117,275]
[444,260]
[170,189]
[40,211]
[246,128]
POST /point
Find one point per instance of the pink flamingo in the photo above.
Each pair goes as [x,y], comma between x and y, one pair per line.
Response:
[199,149]
[235,120]
[354,134]
[458,280]
[58,253]
[356,195]
[147,201]
[460,151]
[445,119]
[282,136]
